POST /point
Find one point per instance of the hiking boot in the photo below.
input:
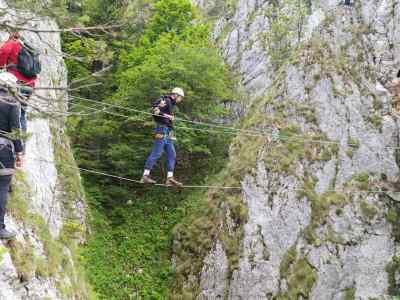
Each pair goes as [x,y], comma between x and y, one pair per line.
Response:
[147,179]
[172,182]
[7,235]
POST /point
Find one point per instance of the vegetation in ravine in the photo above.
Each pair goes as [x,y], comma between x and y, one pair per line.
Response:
[129,253]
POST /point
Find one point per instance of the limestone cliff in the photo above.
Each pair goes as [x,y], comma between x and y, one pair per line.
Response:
[302,227]
[46,207]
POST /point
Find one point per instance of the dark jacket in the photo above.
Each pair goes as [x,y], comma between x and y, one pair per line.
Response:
[167,106]
[10,118]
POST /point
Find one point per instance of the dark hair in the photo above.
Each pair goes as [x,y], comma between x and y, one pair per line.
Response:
[14,35]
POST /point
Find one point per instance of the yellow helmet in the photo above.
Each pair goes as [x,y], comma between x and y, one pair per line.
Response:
[178,91]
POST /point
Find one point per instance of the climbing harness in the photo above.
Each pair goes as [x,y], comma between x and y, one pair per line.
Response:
[6,151]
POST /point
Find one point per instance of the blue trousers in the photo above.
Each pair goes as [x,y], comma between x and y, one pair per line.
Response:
[5,182]
[161,145]
[23,121]
[26,93]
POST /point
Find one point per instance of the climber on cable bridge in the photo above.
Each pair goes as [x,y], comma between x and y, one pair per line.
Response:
[11,147]
[22,60]
[162,111]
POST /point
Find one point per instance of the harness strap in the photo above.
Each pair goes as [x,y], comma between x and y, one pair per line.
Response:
[7,171]
[166,133]
[5,142]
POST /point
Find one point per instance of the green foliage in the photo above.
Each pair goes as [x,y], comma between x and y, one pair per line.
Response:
[320,207]
[301,279]
[361,181]
[369,211]
[286,29]
[3,251]
[376,120]
[299,274]
[334,237]
[101,11]
[129,253]
[349,294]
[195,236]
[163,59]
[23,259]
[172,16]
[288,259]
[353,146]
[393,269]
[393,217]
[18,204]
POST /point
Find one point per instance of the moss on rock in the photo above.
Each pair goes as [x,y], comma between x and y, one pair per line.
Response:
[393,271]
[299,275]
[321,205]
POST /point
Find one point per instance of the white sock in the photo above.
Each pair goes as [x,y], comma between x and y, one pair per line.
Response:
[146,173]
[170,174]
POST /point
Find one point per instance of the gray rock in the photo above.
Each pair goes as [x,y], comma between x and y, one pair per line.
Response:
[215,274]
[361,53]
[274,225]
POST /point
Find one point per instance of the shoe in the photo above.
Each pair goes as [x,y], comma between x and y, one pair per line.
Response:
[172,182]
[7,235]
[147,179]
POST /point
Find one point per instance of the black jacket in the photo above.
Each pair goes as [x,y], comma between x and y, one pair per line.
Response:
[167,106]
[10,112]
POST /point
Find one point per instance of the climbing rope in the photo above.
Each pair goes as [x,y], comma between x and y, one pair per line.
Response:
[177,118]
[101,173]
[227,129]
[137,181]
[234,131]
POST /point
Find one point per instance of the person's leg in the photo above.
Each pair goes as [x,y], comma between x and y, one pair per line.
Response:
[26,92]
[5,182]
[155,154]
[23,120]
[171,157]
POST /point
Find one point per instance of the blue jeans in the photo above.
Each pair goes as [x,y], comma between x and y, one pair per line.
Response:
[5,182]
[23,121]
[26,93]
[161,145]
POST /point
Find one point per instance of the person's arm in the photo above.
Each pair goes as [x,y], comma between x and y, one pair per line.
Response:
[5,52]
[157,107]
[15,126]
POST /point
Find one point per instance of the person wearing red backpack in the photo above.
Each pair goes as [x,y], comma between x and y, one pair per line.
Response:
[10,61]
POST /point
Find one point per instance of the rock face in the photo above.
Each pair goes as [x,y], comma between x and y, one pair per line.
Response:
[316,71]
[46,208]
